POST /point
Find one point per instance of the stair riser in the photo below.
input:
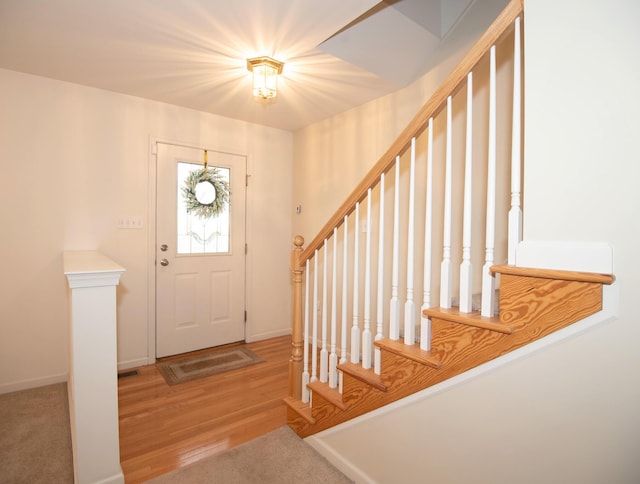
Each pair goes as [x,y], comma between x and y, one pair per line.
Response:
[526,299]
[298,424]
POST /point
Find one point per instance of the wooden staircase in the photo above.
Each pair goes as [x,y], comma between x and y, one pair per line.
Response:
[533,304]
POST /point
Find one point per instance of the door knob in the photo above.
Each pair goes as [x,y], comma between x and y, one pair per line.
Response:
[164,262]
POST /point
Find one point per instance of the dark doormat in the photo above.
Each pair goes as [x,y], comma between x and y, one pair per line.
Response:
[193,367]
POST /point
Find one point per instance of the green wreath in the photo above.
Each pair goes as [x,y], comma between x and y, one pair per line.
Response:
[221,193]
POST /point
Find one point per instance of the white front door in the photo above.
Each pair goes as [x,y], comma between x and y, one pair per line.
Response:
[200,249]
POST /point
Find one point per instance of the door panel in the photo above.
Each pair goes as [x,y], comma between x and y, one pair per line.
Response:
[200,267]
[221,282]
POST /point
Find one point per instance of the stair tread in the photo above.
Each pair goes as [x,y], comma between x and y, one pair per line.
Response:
[364,375]
[470,319]
[332,395]
[302,409]
[553,274]
[413,352]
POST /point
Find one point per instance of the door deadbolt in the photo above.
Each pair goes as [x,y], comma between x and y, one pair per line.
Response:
[164,247]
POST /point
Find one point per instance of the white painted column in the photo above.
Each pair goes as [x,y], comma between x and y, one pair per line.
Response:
[515,213]
[377,356]
[314,321]
[466,267]
[333,355]
[93,372]
[355,328]
[345,323]
[305,339]
[394,305]
[409,305]
[425,322]
[446,272]
[488,279]
[324,352]
[367,337]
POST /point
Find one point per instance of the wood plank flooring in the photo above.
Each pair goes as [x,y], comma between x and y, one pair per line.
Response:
[165,427]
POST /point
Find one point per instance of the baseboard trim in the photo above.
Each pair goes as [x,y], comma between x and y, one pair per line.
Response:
[114,479]
[125,365]
[33,383]
[337,460]
[267,335]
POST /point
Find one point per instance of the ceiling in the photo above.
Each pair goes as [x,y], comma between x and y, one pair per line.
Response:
[338,54]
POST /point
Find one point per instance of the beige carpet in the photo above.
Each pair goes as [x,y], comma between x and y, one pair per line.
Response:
[35,440]
[35,447]
[279,457]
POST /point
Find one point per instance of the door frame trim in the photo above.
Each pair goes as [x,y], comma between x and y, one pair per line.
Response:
[151,234]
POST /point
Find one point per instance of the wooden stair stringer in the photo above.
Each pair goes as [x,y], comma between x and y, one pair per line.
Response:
[531,307]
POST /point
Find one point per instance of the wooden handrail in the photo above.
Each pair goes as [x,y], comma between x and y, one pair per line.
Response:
[501,26]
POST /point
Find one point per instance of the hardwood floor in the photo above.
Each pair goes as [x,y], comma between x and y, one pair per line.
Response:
[165,427]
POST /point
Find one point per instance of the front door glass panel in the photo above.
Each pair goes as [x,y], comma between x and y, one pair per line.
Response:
[198,233]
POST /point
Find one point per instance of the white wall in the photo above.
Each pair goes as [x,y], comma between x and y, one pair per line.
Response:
[72,159]
[567,413]
[332,156]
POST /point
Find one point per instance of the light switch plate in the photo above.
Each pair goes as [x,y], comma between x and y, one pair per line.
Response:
[130,222]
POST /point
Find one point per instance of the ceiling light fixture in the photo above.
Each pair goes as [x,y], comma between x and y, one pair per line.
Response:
[265,76]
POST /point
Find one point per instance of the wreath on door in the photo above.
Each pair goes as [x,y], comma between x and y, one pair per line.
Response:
[205,193]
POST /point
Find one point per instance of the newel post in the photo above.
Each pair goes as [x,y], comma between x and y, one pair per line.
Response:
[295,363]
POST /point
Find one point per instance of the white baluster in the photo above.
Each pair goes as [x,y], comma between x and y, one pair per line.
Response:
[445,266]
[515,214]
[367,342]
[394,305]
[305,338]
[488,281]
[379,325]
[409,306]
[314,331]
[333,357]
[355,329]
[324,353]
[425,323]
[466,276]
[343,326]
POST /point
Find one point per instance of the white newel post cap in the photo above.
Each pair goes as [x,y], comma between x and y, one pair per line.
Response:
[89,268]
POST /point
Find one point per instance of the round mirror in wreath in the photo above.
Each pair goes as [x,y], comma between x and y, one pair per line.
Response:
[205,193]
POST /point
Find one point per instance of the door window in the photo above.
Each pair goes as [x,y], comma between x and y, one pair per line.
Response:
[200,231]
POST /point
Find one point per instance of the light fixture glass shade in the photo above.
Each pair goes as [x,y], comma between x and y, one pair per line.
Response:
[265,76]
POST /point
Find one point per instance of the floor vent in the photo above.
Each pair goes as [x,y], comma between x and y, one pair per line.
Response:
[127,373]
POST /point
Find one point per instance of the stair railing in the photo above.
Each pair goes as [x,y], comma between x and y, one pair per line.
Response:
[445,206]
